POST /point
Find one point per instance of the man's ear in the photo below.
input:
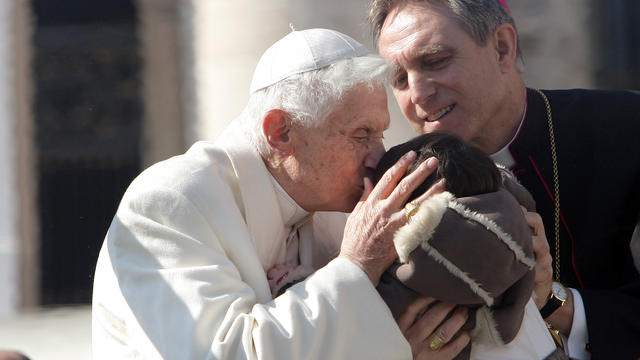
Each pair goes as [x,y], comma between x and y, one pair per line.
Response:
[505,42]
[276,127]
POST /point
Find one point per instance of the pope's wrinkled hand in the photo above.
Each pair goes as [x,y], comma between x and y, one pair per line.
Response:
[368,234]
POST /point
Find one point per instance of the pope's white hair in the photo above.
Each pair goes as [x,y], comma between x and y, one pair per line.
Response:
[311,96]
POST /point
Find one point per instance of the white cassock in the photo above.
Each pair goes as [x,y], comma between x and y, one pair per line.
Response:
[181,274]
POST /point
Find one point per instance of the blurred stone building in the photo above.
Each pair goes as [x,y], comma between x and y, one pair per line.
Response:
[93,92]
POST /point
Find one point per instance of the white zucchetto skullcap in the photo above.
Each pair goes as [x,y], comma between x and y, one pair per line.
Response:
[302,51]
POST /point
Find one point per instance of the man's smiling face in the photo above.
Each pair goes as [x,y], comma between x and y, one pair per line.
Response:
[443,80]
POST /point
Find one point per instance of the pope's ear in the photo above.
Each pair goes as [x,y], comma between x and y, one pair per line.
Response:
[276,127]
[505,42]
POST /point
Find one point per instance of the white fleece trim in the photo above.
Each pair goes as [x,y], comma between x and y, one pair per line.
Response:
[457,272]
[494,228]
[486,330]
[419,231]
[502,167]
[423,222]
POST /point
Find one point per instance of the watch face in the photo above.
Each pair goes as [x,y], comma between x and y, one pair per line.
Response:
[559,291]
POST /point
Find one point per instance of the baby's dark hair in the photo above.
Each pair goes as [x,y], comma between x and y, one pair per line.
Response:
[467,170]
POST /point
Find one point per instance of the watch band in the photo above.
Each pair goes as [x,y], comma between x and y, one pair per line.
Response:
[553,303]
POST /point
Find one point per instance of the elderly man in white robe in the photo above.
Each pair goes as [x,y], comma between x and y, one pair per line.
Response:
[182,273]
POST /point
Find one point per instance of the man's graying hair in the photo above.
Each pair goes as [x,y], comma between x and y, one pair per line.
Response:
[478,18]
[311,96]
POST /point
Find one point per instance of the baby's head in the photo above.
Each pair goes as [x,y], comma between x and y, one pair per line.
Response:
[467,170]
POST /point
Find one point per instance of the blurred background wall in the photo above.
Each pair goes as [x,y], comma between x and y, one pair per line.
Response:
[92,92]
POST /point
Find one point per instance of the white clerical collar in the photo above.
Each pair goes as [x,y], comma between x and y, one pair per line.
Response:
[503,156]
[291,211]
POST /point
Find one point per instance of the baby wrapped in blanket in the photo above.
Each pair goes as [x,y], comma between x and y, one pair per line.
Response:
[471,246]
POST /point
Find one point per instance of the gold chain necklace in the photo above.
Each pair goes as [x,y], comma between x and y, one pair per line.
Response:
[556,186]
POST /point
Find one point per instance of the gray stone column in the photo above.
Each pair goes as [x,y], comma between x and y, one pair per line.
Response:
[9,251]
[556,42]
[159,34]
[19,267]
[27,177]
[230,36]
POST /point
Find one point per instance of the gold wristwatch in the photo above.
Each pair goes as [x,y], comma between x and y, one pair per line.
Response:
[557,298]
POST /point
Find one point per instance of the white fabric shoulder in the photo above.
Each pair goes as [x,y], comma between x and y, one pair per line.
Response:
[533,341]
